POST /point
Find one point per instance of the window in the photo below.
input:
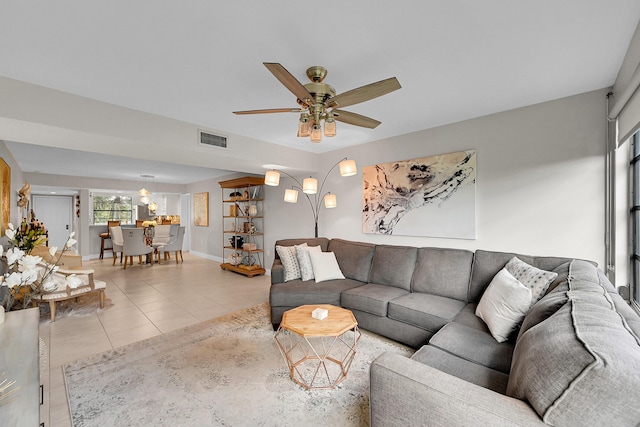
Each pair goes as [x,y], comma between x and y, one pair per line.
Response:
[635,218]
[110,208]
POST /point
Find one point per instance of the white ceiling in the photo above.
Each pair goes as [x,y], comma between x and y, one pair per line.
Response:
[198,61]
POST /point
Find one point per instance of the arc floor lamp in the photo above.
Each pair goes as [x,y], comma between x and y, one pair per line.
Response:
[309,186]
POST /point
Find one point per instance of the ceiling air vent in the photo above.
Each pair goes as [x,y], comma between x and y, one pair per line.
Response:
[213,140]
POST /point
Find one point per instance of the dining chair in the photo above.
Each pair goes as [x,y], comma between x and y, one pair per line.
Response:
[174,245]
[162,235]
[166,222]
[133,243]
[116,242]
[139,223]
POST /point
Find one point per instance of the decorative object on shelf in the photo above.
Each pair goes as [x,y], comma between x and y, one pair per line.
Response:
[253,210]
[249,260]
[201,209]
[430,196]
[318,101]
[236,195]
[236,241]
[310,186]
[28,273]
[234,258]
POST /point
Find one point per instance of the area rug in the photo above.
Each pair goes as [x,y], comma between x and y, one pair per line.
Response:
[86,305]
[226,371]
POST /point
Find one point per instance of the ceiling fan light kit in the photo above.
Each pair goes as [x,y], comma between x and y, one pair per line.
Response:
[319,102]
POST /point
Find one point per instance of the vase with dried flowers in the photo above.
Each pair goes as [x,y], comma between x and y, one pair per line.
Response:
[27,274]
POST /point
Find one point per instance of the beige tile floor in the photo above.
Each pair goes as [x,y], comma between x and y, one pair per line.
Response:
[144,301]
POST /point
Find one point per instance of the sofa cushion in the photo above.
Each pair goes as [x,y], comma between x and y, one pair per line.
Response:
[354,258]
[504,304]
[443,272]
[533,278]
[474,345]
[323,242]
[462,368]
[580,366]
[468,318]
[563,273]
[370,298]
[542,310]
[297,292]
[393,266]
[426,311]
[486,264]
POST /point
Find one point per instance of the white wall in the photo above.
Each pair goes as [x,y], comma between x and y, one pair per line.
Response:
[207,241]
[540,181]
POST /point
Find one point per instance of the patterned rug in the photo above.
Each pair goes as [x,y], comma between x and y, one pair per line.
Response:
[226,371]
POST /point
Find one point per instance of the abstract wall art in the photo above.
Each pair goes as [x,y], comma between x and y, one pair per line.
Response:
[431,196]
[201,209]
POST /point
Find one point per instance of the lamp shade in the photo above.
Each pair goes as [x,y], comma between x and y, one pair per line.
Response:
[316,133]
[143,192]
[304,126]
[330,127]
[291,195]
[330,201]
[348,167]
[144,199]
[272,178]
[153,207]
[310,185]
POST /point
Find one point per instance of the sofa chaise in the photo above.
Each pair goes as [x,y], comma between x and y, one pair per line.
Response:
[573,360]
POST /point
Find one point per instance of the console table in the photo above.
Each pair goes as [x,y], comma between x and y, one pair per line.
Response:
[19,360]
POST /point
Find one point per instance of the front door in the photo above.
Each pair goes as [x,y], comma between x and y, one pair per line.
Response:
[56,212]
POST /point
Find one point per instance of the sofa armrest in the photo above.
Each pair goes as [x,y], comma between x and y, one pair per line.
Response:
[277,272]
[406,392]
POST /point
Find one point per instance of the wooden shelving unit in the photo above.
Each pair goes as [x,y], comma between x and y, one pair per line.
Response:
[243,217]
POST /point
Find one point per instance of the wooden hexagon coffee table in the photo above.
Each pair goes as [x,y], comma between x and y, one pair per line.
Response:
[318,353]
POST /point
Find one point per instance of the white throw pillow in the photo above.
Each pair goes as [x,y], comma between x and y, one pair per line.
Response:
[325,266]
[289,260]
[302,253]
[503,305]
[533,278]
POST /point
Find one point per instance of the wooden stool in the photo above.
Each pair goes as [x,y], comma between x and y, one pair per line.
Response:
[103,237]
[107,235]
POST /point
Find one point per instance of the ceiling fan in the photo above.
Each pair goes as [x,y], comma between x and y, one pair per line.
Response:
[318,101]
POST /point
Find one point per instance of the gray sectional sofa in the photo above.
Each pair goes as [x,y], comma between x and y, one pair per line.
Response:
[574,361]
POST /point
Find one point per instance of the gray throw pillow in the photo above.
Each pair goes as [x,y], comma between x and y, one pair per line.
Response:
[533,278]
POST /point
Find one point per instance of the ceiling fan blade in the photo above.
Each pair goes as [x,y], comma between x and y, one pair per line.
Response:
[355,119]
[270,110]
[364,93]
[290,82]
